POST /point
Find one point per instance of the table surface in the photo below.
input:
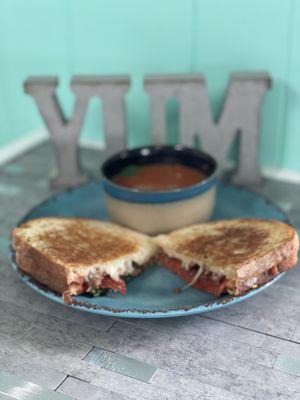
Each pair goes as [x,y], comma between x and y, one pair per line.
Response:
[248,351]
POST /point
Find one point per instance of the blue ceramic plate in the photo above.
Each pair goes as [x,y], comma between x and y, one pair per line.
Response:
[150,295]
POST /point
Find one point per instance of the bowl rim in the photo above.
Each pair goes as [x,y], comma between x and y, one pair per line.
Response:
[175,148]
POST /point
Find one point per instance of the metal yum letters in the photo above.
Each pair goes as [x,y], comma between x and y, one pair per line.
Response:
[240,114]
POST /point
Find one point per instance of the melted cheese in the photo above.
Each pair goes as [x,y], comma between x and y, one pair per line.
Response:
[115,268]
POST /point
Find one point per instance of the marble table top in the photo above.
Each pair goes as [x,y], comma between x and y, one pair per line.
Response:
[47,351]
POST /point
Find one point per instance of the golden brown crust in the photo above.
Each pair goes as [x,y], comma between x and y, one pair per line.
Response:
[236,248]
[224,244]
[56,251]
[78,243]
[284,255]
[228,239]
[30,260]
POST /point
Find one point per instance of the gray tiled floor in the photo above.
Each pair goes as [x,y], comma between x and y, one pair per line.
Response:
[248,351]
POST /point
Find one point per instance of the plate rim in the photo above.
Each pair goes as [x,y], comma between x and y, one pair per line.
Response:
[179,311]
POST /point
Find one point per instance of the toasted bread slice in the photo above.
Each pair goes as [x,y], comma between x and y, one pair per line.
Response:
[234,255]
[75,255]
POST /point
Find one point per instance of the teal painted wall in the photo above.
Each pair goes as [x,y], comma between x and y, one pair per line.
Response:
[137,37]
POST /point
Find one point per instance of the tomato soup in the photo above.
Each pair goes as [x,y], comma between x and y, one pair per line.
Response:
[158,176]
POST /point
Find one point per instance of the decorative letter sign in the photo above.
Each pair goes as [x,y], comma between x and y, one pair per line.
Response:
[65,134]
[240,114]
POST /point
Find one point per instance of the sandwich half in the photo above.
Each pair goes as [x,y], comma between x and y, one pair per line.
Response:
[75,255]
[230,256]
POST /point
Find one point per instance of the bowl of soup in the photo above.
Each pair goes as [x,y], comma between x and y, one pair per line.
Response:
[156,189]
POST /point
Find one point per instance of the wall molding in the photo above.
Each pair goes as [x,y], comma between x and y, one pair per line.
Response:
[19,146]
[91,144]
[33,139]
[39,136]
[280,174]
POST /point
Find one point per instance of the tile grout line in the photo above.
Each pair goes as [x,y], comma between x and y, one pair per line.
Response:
[251,330]
[31,327]
[44,314]
[66,377]
[276,354]
[272,367]
[167,369]
[221,322]
[88,352]
[77,378]
[194,378]
[113,324]
[294,330]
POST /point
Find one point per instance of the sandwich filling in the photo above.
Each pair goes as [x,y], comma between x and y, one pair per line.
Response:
[209,281]
[98,281]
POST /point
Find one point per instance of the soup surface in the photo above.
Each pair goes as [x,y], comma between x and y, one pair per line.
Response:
[158,176]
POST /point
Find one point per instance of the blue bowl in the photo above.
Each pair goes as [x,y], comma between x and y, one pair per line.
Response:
[158,211]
